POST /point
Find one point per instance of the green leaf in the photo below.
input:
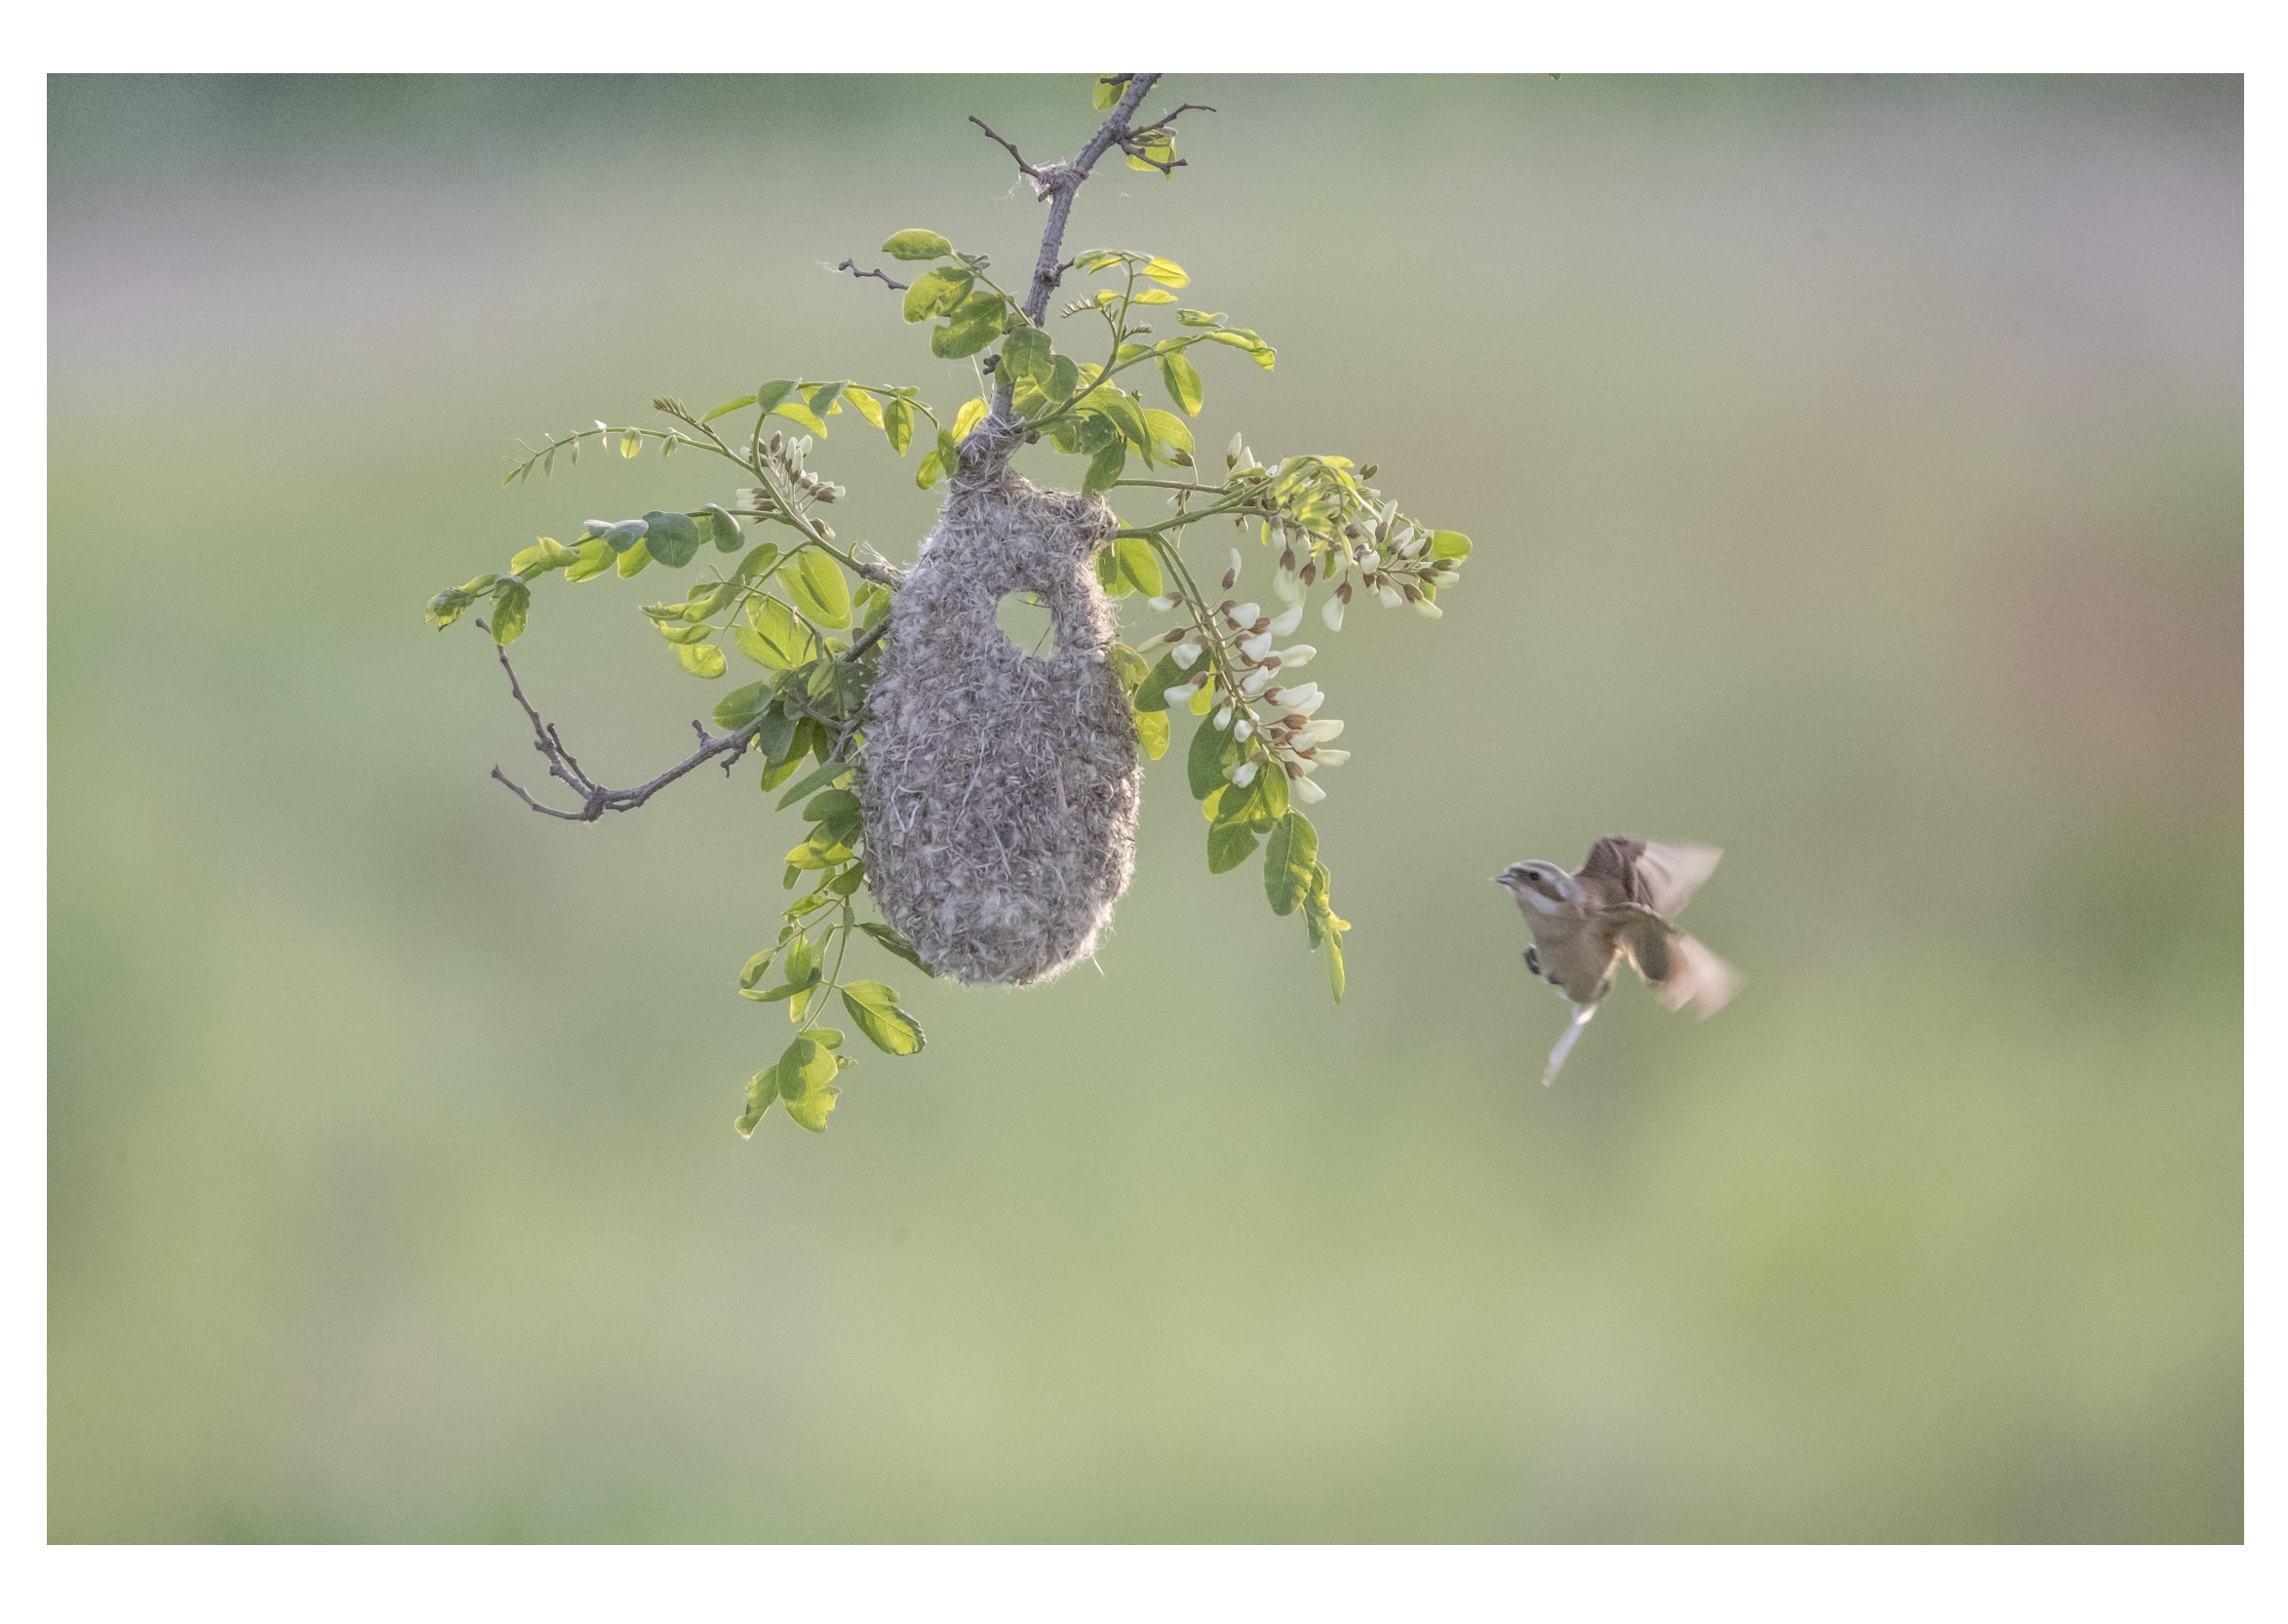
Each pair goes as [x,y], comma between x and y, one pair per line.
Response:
[868,406]
[1289,857]
[728,406]
[1125,412]
[874,1006]
[1029,355]
[1229,845]
[915,243]
[1128,667]
[972,414]
[1449,543]
[771,636]
[775,738]
[1166,271]
[817,586]
[1212,750]
[1107,91]
[802,961]
[1261,353]
[756,564]
[512,602]
[824,397]
[1151,693]
[1183,381]
[970,328]
[937,291]
[726,527]
[814,782]
[752,970]
[548,553]
[1139,564]
[673,538]
[634,561]
[761,1090]
[805,1087]
[1200,318]
[1064,380]
[891,942]
[735,709]
[1152,731]
[619,535]
[797,411]
[833,802]
[1104,468]
[595,558]
[1153,295]
[898,422]
[768,395]
[933,467]
[1169,434]
[1333,943]
[701,659]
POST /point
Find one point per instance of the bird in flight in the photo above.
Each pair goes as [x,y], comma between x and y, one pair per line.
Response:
[1622,903]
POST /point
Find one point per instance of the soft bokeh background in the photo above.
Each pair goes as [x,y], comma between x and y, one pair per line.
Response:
[1855,469]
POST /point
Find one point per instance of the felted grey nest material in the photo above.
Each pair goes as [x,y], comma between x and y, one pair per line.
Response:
[999,789]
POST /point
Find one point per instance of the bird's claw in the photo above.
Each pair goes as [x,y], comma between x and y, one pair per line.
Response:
[1533,961]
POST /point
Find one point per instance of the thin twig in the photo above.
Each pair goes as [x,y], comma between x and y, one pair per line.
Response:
[595,799]
[893,285]
[1023,167]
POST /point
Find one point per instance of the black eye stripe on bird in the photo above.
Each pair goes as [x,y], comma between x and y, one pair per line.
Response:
[1623,903]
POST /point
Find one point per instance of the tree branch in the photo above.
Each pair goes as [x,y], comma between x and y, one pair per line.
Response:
[595,799]
[1023,167]
[1064,179]
[852,268]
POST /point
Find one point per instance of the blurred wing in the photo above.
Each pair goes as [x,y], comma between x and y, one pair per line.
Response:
[1669,875]
[1696,977]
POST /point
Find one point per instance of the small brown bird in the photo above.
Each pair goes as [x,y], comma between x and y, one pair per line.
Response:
[1623,901]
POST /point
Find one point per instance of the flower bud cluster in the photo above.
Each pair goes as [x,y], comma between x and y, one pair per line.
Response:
[1265,703]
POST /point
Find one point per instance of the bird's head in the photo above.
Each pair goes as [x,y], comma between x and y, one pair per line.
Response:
[1537,882]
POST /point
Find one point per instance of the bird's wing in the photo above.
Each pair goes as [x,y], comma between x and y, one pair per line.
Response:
[1696,977]
[1609,875]
[1667,875]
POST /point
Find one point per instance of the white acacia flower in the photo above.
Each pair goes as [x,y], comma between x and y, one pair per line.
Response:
[1286,587]
[1299,654]
[1427,609]
[1231,455]
[1256,647]
[1180,693]
[1295,698]
[1390,596]
[1244,774]
[1333,614]
[1187,654]
[1223,716]
[1304,707]
[1256,682]
[1331,729]
[1243,614]
[1245,727]
[1283,625]
[1331,758]
[1307,792]
[1160,606]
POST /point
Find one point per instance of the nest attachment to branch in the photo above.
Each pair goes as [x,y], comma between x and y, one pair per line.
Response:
[1000,788]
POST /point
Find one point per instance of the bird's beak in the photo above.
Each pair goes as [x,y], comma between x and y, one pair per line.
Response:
[1501,879]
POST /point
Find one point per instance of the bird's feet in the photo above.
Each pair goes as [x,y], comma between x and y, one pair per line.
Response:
[1533,961]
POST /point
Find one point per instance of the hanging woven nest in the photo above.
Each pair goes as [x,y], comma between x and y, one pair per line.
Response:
[1000,788]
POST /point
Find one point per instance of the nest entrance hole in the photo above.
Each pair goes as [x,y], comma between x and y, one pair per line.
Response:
[1025,621]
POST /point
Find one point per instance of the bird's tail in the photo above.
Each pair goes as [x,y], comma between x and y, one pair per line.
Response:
[1696,977]
[1573,1035]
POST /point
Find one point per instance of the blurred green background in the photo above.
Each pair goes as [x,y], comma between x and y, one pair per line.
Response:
[1855,471]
